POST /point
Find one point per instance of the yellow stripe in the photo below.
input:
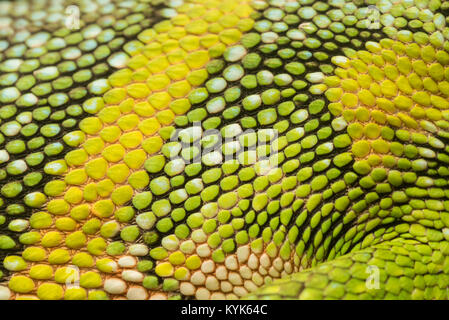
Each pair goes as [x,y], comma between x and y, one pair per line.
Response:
[169,60]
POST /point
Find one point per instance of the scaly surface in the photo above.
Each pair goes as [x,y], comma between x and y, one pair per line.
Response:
[220,149]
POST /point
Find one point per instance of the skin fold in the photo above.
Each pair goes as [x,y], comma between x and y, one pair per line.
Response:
[224,150]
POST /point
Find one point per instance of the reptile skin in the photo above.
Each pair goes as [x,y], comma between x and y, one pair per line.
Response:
[224,149]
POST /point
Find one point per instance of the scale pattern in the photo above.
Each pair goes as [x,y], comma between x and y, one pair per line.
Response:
[224,149]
